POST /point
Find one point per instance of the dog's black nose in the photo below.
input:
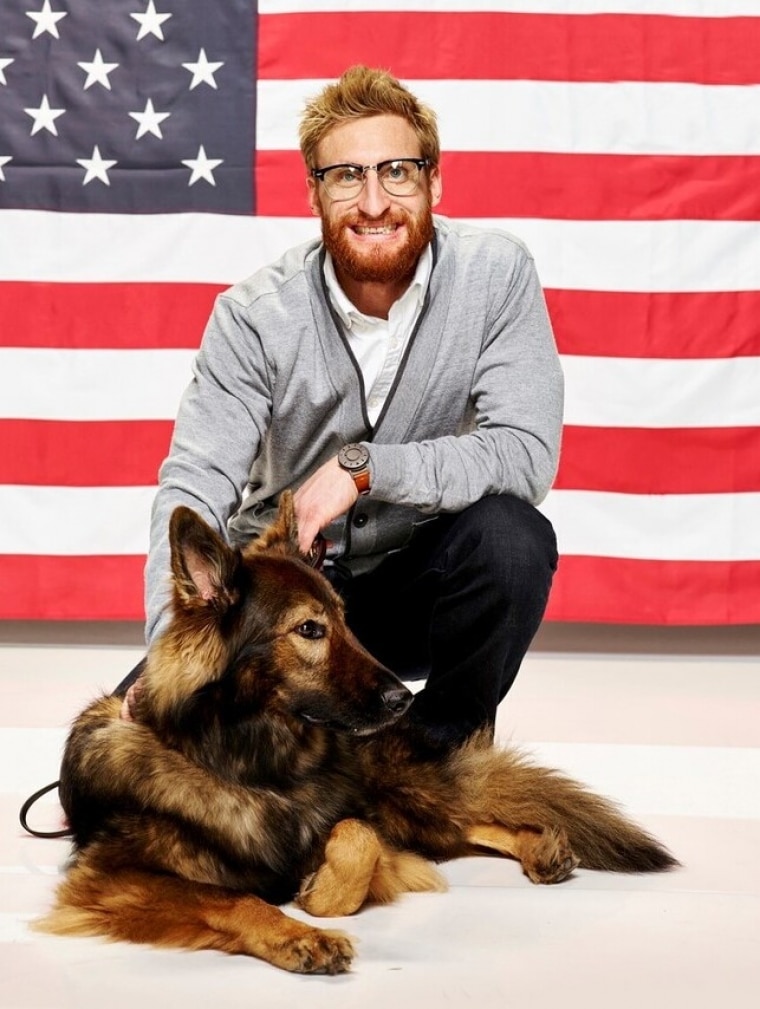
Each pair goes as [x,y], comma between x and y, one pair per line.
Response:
[397,699]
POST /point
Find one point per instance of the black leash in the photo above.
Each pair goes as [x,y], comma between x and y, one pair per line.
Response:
[120,691]
[28,805]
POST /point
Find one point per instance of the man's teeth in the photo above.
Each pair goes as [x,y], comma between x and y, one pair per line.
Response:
[389,229]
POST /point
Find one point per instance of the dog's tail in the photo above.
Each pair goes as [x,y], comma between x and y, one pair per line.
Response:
[509,789]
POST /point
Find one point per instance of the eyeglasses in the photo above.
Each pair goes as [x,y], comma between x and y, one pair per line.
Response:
[398,177]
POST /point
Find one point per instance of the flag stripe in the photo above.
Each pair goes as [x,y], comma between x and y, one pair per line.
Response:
[490,45]
[594,323]
[83,454]
[624,460]
[595,589]
[72,588]
[106,315]
[536,184]
[625,117]
[115,521]
[76,385]
[670,461]
[615,590]
[656,324]
[621,256]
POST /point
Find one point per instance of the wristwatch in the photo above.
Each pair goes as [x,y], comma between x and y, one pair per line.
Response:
[354,459]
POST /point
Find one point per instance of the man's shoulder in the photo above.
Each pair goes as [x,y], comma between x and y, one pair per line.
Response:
[462,238]
[287,275]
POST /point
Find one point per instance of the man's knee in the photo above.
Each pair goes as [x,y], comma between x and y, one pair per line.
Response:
[505,532]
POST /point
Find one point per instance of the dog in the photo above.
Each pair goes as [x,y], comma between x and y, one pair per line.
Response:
[270,757]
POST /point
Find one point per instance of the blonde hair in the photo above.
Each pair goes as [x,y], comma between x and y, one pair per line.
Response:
[359,93]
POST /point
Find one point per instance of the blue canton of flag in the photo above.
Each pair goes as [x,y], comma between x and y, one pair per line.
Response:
[141,106]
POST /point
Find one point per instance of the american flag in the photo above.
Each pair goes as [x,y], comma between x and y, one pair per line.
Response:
[148,159]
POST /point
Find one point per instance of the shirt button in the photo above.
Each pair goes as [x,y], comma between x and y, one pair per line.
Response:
[360,520]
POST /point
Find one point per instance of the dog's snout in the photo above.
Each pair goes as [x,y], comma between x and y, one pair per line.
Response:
[397,699]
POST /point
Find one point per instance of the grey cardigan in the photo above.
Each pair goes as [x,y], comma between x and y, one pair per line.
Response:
[475,409]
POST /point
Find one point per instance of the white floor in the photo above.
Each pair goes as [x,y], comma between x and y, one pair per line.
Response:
[668,725]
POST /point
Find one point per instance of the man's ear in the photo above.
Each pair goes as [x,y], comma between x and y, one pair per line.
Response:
[314,204]
[203,565]
[435,185]
[282,535]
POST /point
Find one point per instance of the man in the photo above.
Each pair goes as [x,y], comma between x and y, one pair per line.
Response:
[401,377]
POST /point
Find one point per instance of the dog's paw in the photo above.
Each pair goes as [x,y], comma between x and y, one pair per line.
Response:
[550,859]
[316,951]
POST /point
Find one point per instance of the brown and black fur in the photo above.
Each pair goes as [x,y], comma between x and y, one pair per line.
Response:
[270,757]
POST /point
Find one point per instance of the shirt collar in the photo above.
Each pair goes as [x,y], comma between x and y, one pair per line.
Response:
[346,309]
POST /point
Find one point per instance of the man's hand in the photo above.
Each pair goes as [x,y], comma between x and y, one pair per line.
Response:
[328,493]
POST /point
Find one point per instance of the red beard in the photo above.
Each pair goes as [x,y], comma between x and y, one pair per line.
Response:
[376,263]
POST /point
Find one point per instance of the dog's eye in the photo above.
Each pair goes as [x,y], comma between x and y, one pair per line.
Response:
[311,629]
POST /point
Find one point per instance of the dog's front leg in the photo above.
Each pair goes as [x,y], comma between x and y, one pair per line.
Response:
[359,867]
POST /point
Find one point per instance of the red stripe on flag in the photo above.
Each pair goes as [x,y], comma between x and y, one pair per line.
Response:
[622,460]
[427,45]
[83,453]
[687,593]
[106,316]
[660,461]
[702,324]
[597,589]
[72,588]
[587,187]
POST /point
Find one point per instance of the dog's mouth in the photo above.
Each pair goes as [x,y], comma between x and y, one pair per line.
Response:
[345,727]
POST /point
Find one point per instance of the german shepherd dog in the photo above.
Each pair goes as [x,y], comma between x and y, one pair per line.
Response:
[269,757]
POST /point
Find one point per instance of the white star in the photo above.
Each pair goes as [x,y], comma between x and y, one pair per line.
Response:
[96,167]
[202,71]
[44,117]
[202,167]
[98,71]
[3,161]
[47,20]
[7,63]
[149,121]
[150,22]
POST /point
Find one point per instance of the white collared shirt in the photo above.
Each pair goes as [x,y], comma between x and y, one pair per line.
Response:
[378,344]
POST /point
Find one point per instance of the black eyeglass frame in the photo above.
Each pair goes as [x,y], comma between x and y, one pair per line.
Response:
[319,173]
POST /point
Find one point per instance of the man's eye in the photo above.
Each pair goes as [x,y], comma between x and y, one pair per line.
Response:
[311,629]
[349,175]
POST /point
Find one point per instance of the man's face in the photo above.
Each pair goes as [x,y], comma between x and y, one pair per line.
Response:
[374,237]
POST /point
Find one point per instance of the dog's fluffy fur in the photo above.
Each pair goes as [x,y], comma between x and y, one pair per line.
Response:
[271,757]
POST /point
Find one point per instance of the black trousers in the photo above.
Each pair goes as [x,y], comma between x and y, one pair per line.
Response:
[458,607]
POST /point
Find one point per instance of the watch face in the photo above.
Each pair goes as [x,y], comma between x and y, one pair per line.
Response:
[352,457]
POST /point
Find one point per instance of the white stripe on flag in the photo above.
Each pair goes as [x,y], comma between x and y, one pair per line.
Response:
[667,256]
[687,8]
[91,385]
[670,527]
[625,117]
[87,521]
[51,384]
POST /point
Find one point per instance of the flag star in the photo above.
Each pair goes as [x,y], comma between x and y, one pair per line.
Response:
[202,71]
[150,22]
[3,161]
[149,121]
[202,167]
[44,117]
[98,71]
[46,20]
[6,63]
[96,167]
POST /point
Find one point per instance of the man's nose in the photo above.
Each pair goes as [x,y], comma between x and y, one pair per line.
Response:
[373,199]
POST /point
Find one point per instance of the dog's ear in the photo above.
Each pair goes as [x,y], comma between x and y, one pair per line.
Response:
[282,535]
[203,566]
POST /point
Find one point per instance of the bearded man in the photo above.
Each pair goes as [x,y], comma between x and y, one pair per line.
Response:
[401,376]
